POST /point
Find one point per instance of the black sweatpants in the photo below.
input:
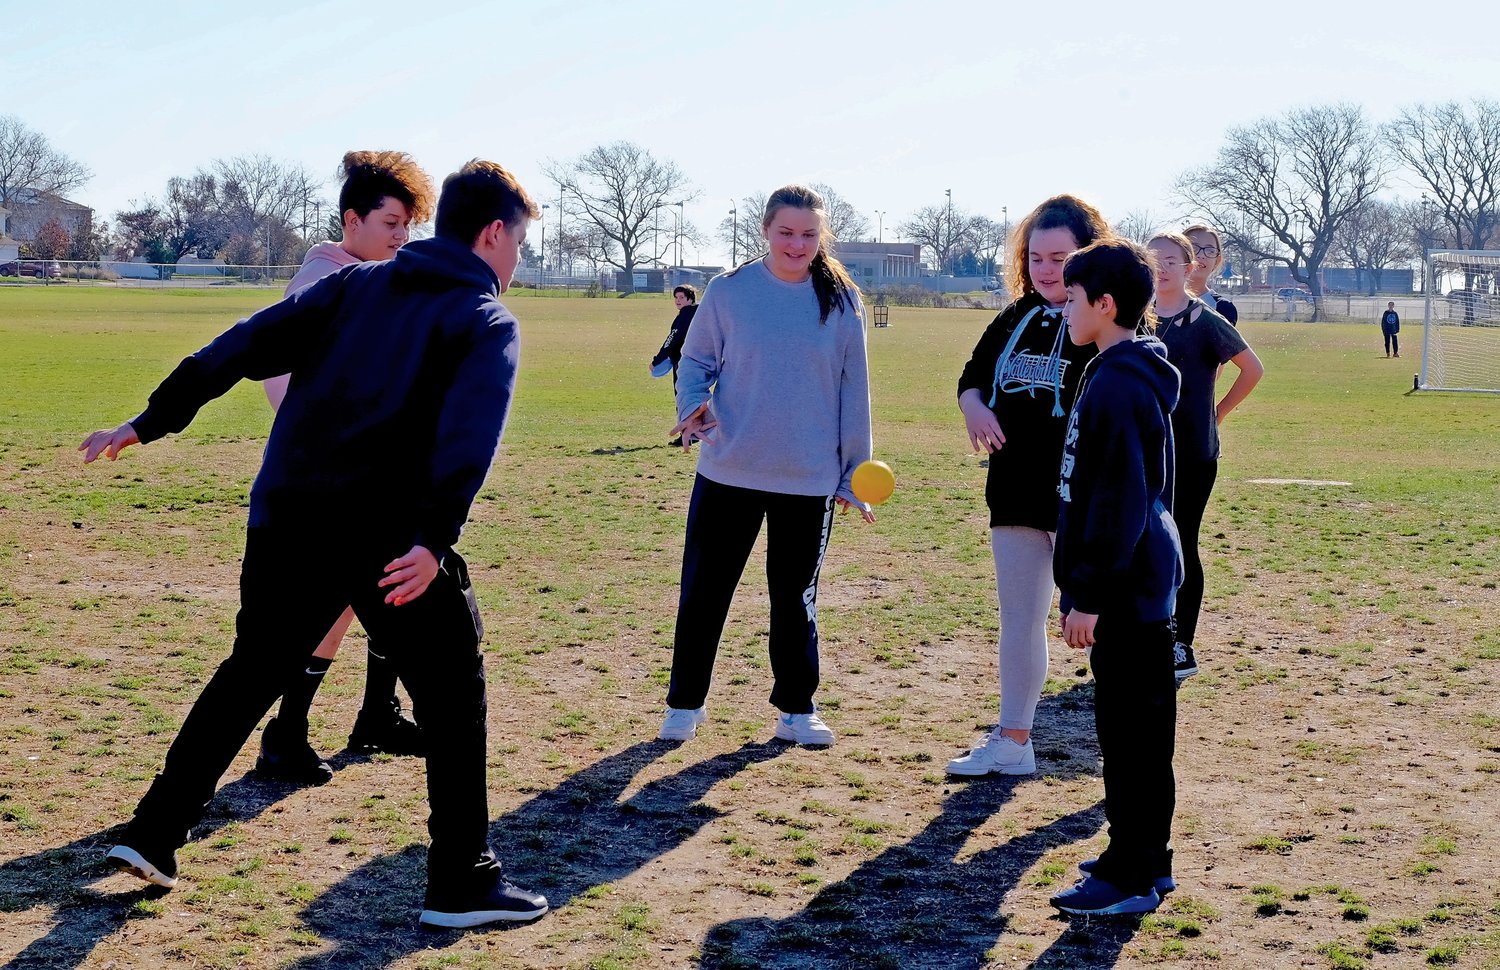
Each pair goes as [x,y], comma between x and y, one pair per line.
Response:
[293,585]
[1135,715]
[1392,343]
[723,523]
[1195,483]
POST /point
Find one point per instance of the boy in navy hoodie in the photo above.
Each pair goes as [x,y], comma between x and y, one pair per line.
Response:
[401,377]
[1118,564]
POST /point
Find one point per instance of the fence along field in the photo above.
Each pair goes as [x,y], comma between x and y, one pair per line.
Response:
[1338,757]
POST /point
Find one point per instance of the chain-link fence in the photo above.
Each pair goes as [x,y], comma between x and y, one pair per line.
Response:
[146,275]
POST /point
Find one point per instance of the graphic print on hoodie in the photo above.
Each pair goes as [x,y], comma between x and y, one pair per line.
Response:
[1027,372]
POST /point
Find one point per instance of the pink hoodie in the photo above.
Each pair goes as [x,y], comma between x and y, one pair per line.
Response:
[320,260]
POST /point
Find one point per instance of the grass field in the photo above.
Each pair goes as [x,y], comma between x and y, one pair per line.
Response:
[1338,759]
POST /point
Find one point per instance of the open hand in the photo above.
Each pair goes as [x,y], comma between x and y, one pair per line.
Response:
[109,443]
[411,574]
[695,427]
[845,505]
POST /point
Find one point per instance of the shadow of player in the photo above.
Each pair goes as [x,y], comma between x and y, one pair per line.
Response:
[563,842]
[60,877]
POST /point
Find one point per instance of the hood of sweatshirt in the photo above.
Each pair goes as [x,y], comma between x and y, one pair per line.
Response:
[1146,357]
[330,252]
[442,264]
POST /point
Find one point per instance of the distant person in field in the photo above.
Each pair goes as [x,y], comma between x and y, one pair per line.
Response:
[1118,565]
[382,193]
[1390,328]
[402,374]
[1199,343]
[775,384]
[1208,259]
[670,354]
[1015,393]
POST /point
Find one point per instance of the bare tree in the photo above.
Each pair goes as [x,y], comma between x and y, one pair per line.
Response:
[988,240]
[29,164]
[259,198]
[844,221]
[621,188]
[1138,225]
[1373,239]
[1455,155]
[1295,179]
[741,231]
[944,230]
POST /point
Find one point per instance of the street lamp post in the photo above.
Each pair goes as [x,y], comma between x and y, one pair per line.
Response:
[680,219]
[734,234]
[1004,237]
[542,251]
[880,226]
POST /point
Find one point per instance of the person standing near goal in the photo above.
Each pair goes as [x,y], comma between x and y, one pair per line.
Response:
[1390,327]
[382,193]
[775,383]
[1015,393]
[1199,343]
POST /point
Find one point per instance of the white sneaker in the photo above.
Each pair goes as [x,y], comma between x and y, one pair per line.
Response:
[997,755]
[803,729]
[681,723]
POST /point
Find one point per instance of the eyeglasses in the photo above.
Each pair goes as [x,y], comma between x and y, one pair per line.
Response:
[1171,262]
[1212,252]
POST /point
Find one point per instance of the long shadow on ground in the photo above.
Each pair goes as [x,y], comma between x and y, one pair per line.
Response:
[563,842]
[59,877]
[916,905]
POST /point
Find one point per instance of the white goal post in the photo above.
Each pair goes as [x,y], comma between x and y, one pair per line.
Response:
[1461,321]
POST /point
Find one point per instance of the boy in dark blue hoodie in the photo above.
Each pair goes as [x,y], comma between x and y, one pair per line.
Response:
[1118,564]
[401,378]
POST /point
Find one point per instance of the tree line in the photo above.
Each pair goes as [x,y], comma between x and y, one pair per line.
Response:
[1306,189]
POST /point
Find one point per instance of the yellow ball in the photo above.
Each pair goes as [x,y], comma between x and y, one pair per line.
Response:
[873,482]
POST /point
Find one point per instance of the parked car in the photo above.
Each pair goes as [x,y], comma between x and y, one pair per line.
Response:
[32,267]
[1290,293]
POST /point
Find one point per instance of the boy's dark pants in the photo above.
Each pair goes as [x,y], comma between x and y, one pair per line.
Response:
[1392,342]
[723,522]
[294,583]
[1135,714]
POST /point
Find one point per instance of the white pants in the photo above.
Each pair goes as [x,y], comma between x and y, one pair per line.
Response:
[1023,582]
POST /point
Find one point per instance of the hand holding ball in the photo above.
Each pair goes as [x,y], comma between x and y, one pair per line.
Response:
[873,482]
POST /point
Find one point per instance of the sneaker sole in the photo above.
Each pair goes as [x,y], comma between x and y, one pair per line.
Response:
[1183,673]
[273,774]
[126,859]
[965,771]
[665,735]
[792,737]
[483,917]
[1125,907]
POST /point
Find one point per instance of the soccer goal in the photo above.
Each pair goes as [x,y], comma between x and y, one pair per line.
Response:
[1461,321]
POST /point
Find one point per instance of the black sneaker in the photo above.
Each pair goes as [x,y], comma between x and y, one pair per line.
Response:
[284,758]
[1163,885]
[503,902]
[151,859]
[387,729]
[1095,897]
[1186,663]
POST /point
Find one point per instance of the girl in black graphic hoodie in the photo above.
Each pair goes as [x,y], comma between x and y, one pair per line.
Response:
[1015,393]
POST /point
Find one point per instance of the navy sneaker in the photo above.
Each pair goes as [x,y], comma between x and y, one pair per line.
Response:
[1095,897]
[153,860]
[1184,661]
[502,902]
[1164,884]
[287,758]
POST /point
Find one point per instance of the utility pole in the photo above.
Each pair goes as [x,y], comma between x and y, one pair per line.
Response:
[734,234]
[948,232]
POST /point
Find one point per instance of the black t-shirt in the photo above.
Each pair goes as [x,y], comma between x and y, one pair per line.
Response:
[1028,371]
[1198,342]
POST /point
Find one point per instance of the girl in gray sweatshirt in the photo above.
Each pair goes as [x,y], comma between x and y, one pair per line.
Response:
[774,382]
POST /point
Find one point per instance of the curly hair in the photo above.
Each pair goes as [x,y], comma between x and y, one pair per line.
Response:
[1059,212]
[369,177]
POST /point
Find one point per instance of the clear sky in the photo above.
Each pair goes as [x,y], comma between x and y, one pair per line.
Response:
[891,103]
